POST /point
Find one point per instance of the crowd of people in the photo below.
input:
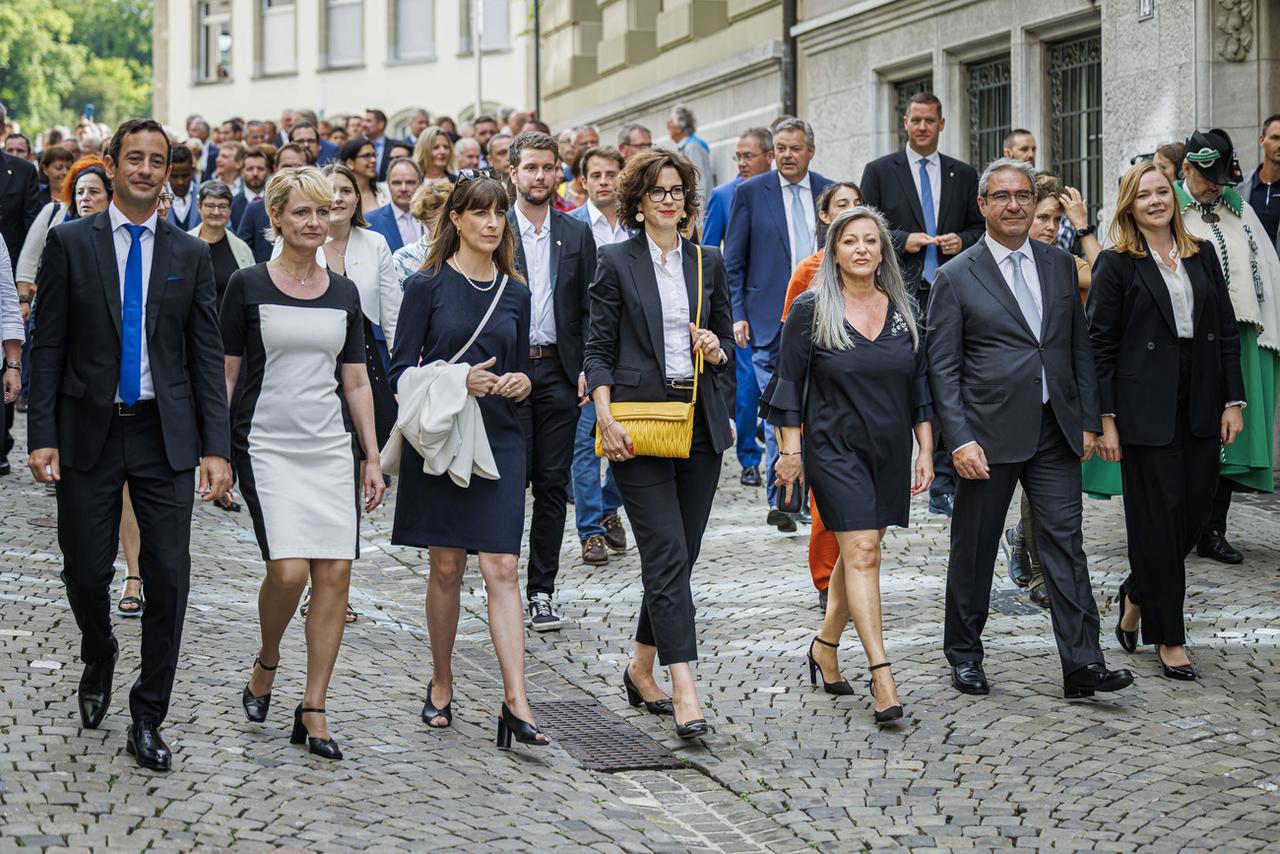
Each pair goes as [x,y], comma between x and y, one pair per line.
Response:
[320,314]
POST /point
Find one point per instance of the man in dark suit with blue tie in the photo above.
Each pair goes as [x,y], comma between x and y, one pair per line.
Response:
[771,230]
[127,388]
[931,203]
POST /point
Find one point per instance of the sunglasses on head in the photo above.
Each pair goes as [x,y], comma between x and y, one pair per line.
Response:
[474,175]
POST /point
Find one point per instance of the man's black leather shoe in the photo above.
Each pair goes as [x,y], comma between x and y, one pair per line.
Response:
[147,747]
[1214,545]
[94,696]
[968,678]
[1039,593]
[1094,677]
[5,468]
[750,476]
[1015,551]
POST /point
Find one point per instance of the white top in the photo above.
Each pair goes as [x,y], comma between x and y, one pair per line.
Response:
[934,168]
[1001,253]
[806,196]
[537,259]
[600,228]
[1179,285]
[677,345]
[11,326]
[54,213]
[147,244]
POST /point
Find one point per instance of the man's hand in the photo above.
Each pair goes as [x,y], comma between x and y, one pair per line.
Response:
[1232,424]
[918,240]
[1090,439]
[949,244]
[215,478]
[1108,445]
[971,462]
[12,384]
[44,465]
[741,333]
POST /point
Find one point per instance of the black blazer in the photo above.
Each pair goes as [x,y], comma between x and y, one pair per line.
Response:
[625,345]
[573,266]
[75,357]
[1135,346]
[887,185]
[19,202]
[252,229]
[985,362]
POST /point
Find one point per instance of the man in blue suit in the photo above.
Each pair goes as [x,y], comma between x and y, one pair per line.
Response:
[755,157]
[394,220]
[771,230]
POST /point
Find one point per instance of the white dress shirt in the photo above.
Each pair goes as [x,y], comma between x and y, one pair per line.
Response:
[1001,254]
[537,259]
[934,168]
[147,245]
[806,197]
[604,233]
[1179,285]
[182,205]
[410,228]
[11,325]
[677,345]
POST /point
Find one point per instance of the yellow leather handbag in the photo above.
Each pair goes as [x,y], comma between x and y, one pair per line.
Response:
[663,429]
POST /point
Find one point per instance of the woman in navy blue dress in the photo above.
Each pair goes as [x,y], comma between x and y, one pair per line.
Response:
[443,304]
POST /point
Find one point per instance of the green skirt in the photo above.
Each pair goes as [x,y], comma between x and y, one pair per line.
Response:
[1248,462]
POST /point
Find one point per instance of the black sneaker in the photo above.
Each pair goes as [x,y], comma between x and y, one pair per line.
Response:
[541,617]
[4,466]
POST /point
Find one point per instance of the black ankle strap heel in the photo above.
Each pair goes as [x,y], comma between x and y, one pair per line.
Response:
[841,688]
[883,716]
[255,708]
[326,747]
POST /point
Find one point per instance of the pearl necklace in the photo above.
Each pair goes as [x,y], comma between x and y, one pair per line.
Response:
[473,284]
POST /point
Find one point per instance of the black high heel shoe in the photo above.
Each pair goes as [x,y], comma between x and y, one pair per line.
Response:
[255,708]
[326,747]
[524,732]
[693,729]
[841,688]
[883,716]
[430,712]
[1184,673]
[1128,640]
[654,707]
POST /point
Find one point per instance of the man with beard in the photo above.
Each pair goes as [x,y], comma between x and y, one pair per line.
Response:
[556,254]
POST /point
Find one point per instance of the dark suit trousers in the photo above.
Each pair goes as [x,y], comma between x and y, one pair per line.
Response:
[88,533]
[1167,496]
[668,502]
[549,419]
[1051,480]
[944,469]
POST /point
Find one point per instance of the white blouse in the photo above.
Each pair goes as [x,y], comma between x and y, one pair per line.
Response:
[1179,285]
[677,344]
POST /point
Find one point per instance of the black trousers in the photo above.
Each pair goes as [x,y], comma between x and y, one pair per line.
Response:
[88,534]
[1220,505]
[668,502]
[549,419]
[7,442]
[944,470]
[1168,491]
[1051,480]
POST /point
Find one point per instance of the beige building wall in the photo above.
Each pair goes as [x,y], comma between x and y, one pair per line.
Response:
[260,82]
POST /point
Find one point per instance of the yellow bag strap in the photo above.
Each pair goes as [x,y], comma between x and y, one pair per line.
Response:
[697,368]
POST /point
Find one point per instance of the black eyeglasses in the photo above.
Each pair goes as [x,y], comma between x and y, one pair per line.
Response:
[658,194]
[466,175]
[1002,197]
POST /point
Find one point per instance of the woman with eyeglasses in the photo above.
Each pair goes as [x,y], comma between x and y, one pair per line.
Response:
[229,252]
[469,295]
[649,334]
[361,158]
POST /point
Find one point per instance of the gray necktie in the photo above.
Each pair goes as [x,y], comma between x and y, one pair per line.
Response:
[1030,313]
[803,238]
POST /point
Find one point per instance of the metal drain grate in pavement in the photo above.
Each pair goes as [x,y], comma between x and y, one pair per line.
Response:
[599,739]
[1012,603]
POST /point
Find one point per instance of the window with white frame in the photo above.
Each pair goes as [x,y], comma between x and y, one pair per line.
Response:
[343,33]
[494,26]
[278,42]
[213,41]
[414,31]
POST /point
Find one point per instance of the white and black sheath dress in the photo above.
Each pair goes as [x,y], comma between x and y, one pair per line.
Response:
[296,459]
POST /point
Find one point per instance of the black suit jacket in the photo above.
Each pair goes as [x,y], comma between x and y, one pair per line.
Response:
[385,160]
[573,266]
[19,202]
[252,229]
[625,345]
[985,362]
[75,358]
[887,185]
[1135,346]
[238,204]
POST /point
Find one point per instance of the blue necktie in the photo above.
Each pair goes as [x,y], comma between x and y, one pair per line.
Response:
[131,321]
[930,222]
[1030,312]
[800,225]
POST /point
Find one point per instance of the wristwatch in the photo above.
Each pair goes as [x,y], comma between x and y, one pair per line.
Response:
[1086,231]
[11,365]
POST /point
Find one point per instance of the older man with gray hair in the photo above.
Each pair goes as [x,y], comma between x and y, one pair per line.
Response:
[682,127]
[1013,382]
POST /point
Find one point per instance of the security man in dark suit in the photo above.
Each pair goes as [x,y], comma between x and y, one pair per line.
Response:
[931,202]
[1013,382]
[19,205]
[127,388]
[556,254]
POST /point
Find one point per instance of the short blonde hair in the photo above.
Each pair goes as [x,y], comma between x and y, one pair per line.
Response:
[305,179]
[422,149]
[429,199]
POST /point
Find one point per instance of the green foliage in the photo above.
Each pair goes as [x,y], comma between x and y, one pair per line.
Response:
[58,55]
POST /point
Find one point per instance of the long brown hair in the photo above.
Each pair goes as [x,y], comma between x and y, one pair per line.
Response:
[357,218]
[469,195]
[1125,235]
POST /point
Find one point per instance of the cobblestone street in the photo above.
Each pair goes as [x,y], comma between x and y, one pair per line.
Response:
[1162,766]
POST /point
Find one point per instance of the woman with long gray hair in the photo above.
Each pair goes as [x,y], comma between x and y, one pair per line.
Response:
[852,375]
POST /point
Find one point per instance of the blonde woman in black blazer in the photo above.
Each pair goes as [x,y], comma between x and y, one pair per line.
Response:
[642,346]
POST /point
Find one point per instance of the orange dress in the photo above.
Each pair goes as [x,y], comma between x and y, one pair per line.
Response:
[823,548]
